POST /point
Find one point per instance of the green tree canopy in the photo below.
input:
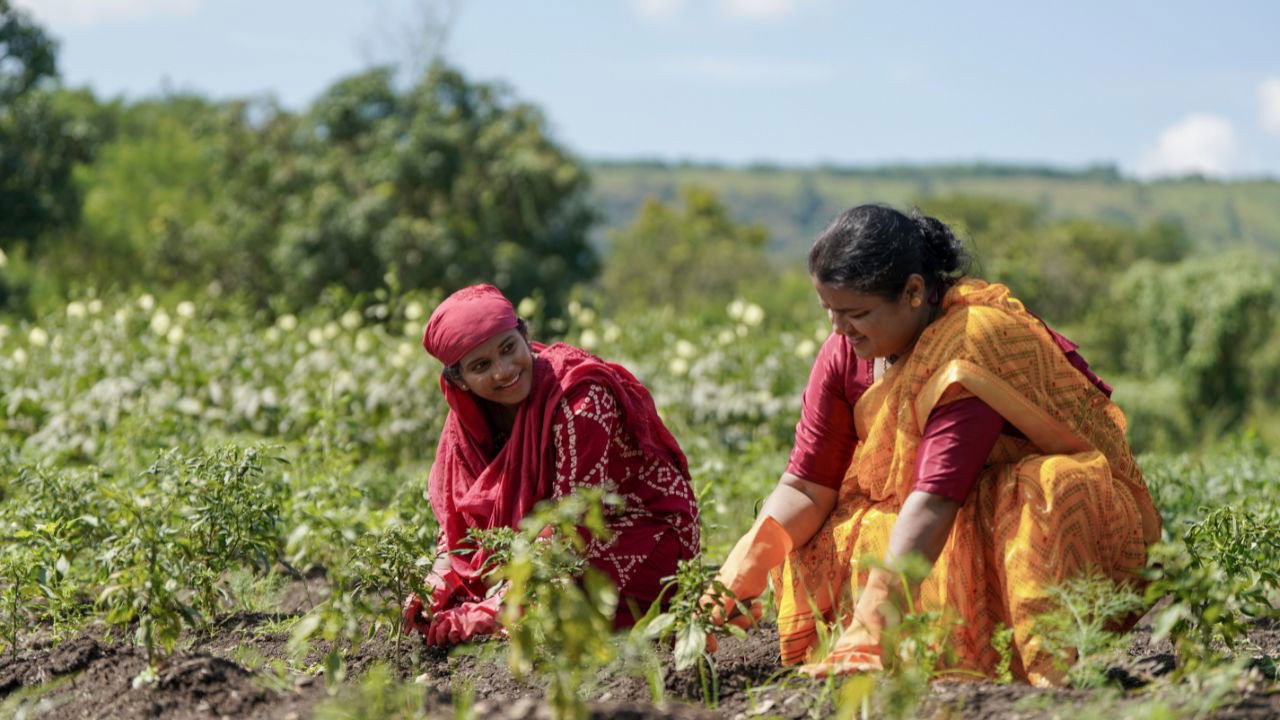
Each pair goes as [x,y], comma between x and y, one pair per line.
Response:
[40,142]
[1060,269]
[677,255]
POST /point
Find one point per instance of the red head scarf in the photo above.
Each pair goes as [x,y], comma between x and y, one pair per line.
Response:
[465,319]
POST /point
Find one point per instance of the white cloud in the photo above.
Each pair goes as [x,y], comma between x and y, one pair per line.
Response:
[1269,105]
[758,9]
[657,9]
[749,71]
[1204,144]
[90,12]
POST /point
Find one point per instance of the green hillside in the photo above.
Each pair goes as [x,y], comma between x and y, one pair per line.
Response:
[796,203]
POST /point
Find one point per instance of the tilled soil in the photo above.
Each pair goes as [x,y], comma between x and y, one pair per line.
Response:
[240,670]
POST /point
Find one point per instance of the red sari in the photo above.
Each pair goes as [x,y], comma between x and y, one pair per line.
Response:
[585,423]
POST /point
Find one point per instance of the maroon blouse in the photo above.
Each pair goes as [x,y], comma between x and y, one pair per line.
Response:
[958,436]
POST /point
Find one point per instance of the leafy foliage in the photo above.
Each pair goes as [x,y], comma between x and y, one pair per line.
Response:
[1225,570]
[558,610]
[673,257]
[1079,628]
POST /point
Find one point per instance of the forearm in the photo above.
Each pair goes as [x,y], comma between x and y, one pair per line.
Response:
[922,528]
[799,506]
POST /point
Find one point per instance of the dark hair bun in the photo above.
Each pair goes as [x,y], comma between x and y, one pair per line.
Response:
[942,249]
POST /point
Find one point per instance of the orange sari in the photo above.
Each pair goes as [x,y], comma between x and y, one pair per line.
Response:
[1067,499]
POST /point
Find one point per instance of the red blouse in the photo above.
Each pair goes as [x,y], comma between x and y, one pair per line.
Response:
[958,436]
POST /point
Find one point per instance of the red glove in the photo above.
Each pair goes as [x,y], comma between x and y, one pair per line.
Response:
[463,623]
[443,583]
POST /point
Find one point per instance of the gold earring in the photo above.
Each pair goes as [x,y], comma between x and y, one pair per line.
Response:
[915,301]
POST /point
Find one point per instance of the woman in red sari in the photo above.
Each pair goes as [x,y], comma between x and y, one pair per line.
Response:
[529,422]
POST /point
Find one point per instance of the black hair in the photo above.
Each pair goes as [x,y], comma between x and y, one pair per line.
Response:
[453,373]
[874,249]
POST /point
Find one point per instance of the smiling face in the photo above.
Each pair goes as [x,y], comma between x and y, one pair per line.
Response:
[500,369]
[876,326]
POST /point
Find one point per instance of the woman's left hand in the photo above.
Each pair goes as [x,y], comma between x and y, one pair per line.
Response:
[465,622]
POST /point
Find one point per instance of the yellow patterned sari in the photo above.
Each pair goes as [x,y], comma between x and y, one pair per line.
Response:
[1066,500]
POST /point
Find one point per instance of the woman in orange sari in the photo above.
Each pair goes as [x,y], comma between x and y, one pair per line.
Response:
[942,420]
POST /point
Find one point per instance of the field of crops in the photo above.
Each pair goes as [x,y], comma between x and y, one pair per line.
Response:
[214,511]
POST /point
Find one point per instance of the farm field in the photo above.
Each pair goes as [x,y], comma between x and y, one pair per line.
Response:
[214,511]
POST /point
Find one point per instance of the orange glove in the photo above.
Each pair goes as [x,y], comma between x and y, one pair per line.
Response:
[858,648]
[746,571]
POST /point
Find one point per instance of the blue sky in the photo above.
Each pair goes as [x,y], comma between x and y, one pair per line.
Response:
[1156,88]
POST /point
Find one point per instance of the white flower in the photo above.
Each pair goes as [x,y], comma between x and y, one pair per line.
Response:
[122,316]
[412,329]
[186,309]
[685,349]
[147,302]
[753,314]
[741,330]
[175,335]
[344,381]
[4,259]
[331,330]
[725,337]
[612,332]
[76,309]
[19,357]
[160,322]
[188,406]
[4,331]
[586,316]
[588,339]
[414,311]
[364,343]
[95,306]
[315,336]
[350,320]
[805,348]
[38,337]
[273,335]
[822,333]
[678,366]
[574,308]
[528,307]
[735,309]
[287,322]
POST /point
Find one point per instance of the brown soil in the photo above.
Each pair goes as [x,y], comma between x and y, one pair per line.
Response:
[240,670]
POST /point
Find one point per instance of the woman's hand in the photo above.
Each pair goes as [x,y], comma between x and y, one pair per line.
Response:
[465,622]
[922,529]
[791,514]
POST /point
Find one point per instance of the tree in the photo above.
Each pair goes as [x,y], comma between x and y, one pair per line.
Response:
[1060,269]
[40,143]
[675,256]
[447,184]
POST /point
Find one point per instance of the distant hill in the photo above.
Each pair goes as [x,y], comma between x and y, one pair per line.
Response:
[796,203]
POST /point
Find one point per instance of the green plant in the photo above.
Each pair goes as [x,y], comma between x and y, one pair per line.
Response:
[688,622]
[558,610]
[1076,629]
[378,696]
[1224,570]
[393,563]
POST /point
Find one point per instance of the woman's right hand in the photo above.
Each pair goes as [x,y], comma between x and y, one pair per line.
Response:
[745,574]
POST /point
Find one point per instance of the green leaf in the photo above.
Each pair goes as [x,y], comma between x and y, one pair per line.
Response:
[690,643]
[658,627]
